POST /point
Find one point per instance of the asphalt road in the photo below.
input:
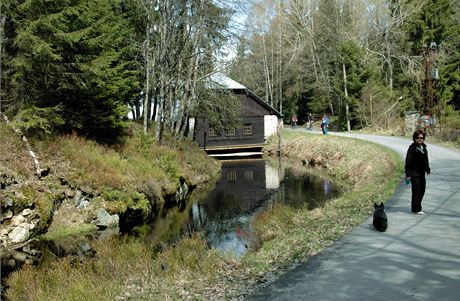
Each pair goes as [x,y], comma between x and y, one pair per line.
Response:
[417,258]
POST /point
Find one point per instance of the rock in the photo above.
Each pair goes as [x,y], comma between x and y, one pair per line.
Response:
[7,215]
[33,252]
[69,193]
[27,226]
[78,197]
[11,263]
[19,234]
[29,261]
[83,204]
[7,202]
[105,220]
[87,191]
[26,212]
[19,256]
[17,220]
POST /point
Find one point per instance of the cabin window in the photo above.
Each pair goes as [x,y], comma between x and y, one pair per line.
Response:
[231,176]
[248,175]
[247,129]
[212,132]
[231,132]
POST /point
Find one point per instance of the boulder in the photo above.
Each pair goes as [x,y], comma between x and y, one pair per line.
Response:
[19,234]
[105,220]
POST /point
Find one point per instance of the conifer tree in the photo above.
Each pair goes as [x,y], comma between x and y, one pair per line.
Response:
[429,33]
[75,55]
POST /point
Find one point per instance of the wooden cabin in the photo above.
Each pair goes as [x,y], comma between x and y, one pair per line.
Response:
[258,121]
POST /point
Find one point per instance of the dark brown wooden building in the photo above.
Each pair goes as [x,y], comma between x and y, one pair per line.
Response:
[258,121]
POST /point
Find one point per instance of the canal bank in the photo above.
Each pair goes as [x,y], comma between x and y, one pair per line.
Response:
[290,236]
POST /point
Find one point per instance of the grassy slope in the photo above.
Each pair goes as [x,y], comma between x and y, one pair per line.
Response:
[187,270]
[133,175]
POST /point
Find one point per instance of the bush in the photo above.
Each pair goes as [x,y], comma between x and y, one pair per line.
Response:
[39,122]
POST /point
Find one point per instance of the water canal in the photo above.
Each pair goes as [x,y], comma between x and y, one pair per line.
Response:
[245,188]
[222,214]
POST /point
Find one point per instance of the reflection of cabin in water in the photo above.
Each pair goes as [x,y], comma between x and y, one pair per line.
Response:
[258,121]
[243,186]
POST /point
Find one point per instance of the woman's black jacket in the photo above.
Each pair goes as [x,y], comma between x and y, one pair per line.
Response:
[417,161]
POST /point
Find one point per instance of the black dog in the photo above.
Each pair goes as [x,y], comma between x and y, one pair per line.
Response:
[380,218]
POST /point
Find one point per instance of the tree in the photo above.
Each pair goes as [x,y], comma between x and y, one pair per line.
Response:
[75,54]
[182,37]
[428,30]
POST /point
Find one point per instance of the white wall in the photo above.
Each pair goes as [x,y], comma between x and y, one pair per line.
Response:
[270,125]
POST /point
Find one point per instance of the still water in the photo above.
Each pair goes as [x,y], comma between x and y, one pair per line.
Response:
[245,188]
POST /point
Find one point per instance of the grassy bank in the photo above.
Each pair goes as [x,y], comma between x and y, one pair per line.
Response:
[137,174]
[189,271]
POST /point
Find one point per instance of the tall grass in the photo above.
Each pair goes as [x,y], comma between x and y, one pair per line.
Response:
[69,278]
[12,148]
[140,164]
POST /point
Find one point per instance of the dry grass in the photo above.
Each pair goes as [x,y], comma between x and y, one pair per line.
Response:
[14,158]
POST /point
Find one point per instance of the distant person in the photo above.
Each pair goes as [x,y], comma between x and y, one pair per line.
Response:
[310,121]
[415,168]
[294,121]
[324,124]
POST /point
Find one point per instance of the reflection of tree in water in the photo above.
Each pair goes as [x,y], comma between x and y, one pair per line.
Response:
[306,188]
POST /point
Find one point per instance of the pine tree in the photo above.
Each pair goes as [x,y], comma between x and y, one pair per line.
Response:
[429,32]
[75,54]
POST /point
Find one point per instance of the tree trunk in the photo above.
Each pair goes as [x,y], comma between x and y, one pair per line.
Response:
[146,113]
[267,75]
[347,109]
[1,54]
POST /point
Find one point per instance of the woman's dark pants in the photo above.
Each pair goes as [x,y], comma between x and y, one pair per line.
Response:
[418,191]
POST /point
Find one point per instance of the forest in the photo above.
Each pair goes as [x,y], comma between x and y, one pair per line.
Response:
[80,66]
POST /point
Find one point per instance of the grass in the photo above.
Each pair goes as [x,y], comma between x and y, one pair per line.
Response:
[68,231]
[11,147]
[187,270]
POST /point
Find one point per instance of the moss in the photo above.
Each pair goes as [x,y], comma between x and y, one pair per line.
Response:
[80,229]
[119,201]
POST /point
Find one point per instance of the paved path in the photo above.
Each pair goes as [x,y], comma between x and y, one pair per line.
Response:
[418,258]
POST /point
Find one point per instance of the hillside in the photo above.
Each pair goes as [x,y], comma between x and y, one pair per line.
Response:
[85,186]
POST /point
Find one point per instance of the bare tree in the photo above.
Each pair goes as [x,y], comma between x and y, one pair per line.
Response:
[181,35]
[386,35]
[2,24]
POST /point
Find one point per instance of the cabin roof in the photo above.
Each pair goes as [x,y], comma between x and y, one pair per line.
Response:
[218,80]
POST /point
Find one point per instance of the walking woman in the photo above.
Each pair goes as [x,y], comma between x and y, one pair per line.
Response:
[416,166]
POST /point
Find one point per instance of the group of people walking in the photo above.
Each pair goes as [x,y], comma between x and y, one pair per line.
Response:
[310,120]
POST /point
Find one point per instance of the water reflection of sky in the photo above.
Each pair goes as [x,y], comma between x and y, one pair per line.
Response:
[245,188]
